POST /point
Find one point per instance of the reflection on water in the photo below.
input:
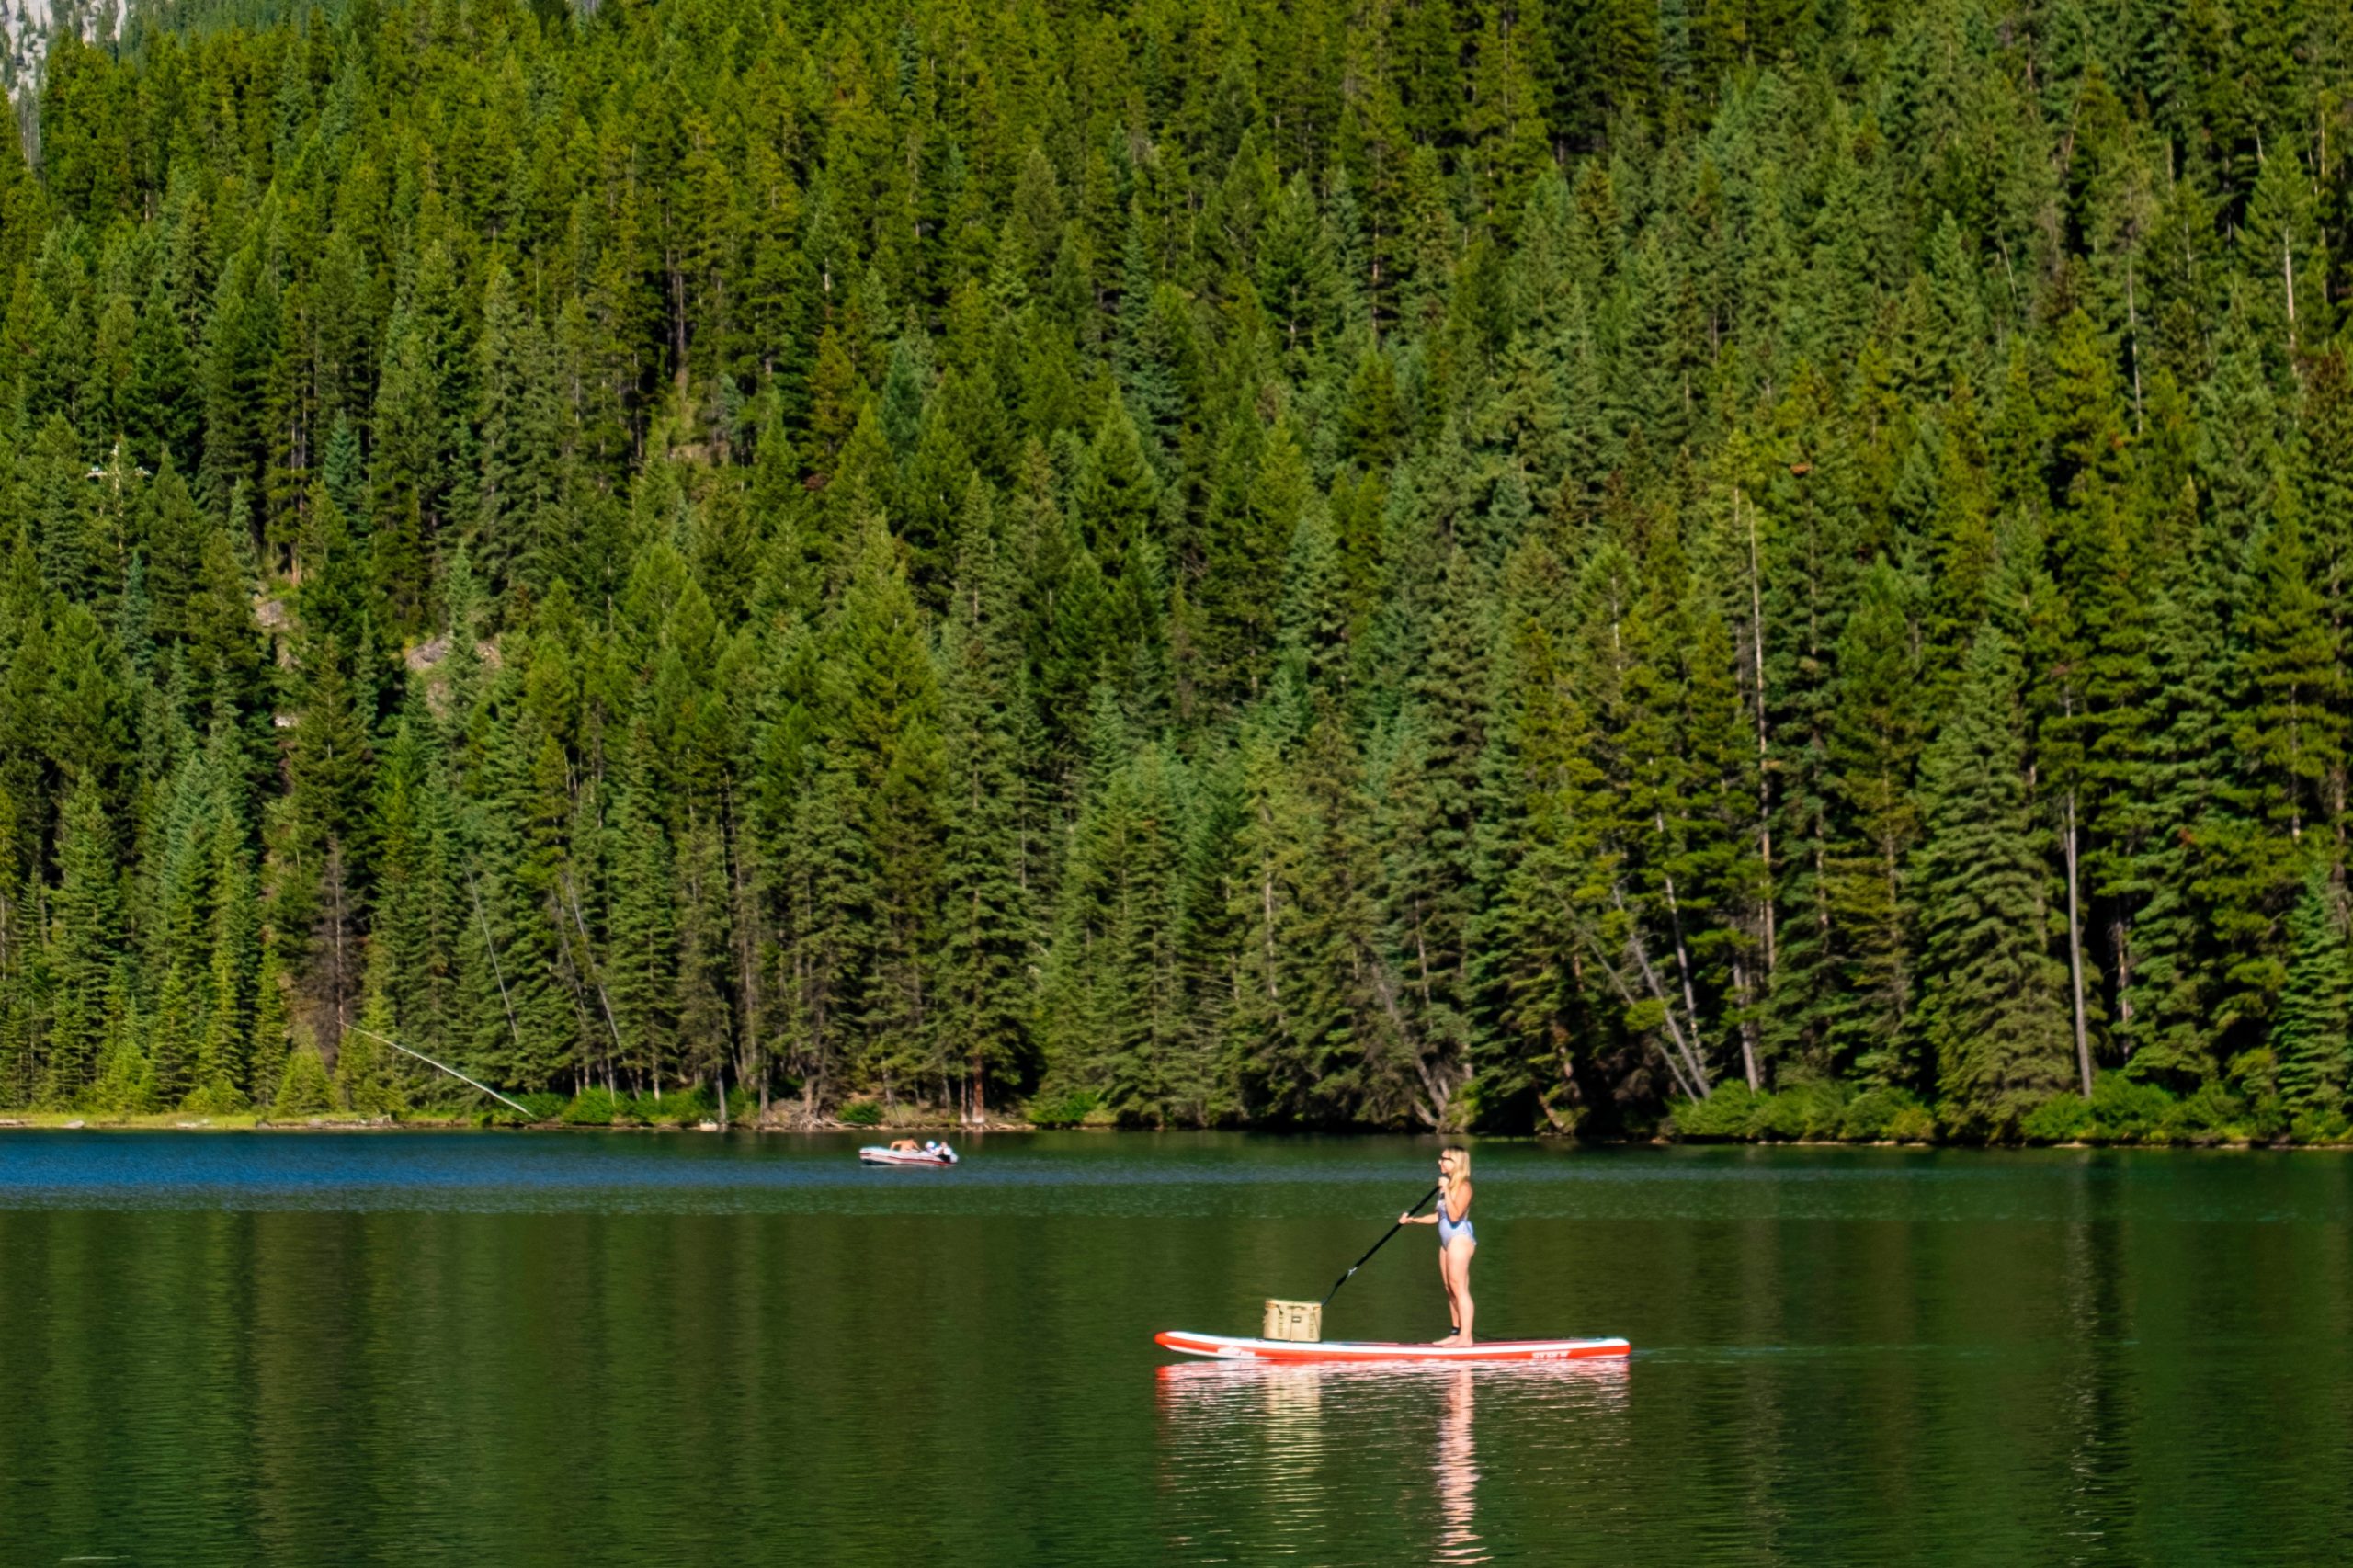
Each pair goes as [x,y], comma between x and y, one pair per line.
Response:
[611,1351]
[1458,1475]
[1263,1461]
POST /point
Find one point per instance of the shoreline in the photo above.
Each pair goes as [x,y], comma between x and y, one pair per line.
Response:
[352,1122]
[346,1123]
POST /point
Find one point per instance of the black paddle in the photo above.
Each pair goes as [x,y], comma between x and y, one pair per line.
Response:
[1376,1247]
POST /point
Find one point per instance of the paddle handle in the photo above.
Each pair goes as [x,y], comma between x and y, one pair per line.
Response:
[1374,1248]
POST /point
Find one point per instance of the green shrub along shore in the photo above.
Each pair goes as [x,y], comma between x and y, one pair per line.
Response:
[2120,1110]
[1573,566]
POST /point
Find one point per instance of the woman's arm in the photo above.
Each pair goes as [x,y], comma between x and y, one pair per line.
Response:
[1456,1202]
[1444,1186]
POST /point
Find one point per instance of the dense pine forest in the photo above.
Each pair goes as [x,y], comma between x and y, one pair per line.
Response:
[1426,563]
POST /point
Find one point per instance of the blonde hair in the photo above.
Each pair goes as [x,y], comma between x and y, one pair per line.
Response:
[1462,1158]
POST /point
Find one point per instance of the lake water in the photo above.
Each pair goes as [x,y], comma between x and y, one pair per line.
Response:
[616,1348]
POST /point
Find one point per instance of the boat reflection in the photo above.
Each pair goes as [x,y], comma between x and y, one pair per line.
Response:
[1262,1459]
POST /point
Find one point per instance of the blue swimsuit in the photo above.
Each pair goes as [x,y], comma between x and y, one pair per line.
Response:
[1450,1230]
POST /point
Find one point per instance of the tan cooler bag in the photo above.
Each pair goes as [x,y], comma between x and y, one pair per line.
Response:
[1299,1320]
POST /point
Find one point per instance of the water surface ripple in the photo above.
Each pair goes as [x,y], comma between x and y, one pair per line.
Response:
[637,1349]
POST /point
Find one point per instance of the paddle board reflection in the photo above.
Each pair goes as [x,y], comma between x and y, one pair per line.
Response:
[1258,1460]
[1458,1473]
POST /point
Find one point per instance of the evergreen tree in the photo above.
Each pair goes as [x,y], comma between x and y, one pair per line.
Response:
[883,720]
[83,948]
[986,853]
[644,932]
[1992,999]
[1540,855]
[232,1034]
[518,444]
[1428,844]
[2311,1040]
[1875,748]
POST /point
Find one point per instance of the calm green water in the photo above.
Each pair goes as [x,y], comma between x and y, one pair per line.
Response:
[504,1348]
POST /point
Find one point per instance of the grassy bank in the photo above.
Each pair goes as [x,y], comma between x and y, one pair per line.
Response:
[184,1121]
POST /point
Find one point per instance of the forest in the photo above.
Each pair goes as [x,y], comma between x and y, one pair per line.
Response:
[1762,569]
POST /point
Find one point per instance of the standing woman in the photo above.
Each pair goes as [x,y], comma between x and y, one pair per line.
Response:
[1456,1240]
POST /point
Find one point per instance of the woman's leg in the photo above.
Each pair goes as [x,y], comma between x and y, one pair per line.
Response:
[1446,1282]
[1457,1260]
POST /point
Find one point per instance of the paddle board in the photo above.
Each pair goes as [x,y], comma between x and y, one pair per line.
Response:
[1226,1348]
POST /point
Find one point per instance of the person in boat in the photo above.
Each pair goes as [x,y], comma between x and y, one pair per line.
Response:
[906,1146]
[1456,1240]
[939,1149]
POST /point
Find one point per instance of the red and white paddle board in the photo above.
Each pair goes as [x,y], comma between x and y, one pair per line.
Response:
[1226,1348]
